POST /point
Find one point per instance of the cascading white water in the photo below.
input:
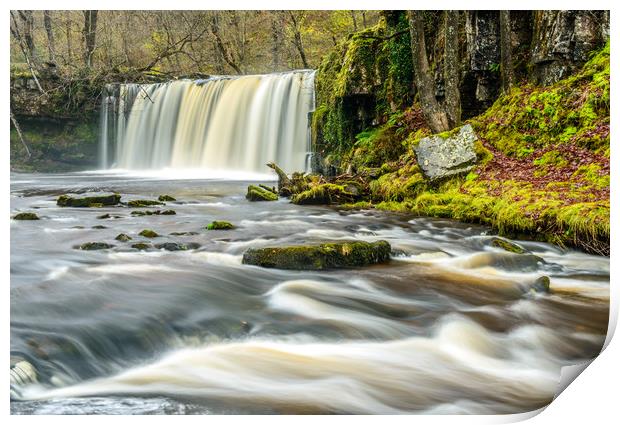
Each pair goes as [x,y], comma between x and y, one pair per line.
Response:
[223,123]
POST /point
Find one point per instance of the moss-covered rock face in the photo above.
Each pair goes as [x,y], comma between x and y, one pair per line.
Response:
[148,233]
[257,193]
[220,225]
[25,216]
[166,198]
[507,246]
[88,201]
[141,203]
[319,257]
[122,237]
[325,194]
[92,246]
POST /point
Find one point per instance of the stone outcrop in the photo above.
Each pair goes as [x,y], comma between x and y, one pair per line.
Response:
[88,201]
[444,155]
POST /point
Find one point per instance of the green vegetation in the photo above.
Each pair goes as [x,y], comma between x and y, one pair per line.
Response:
[220,225]
[257,193]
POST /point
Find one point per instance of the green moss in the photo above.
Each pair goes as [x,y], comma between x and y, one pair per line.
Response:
[593,174]
[123,237]
[551,158]
[507,246]
[257,193]
[220,225]
[319,257]
[142,246]
[324,194]
[25,216]
[148,233]
[166,198]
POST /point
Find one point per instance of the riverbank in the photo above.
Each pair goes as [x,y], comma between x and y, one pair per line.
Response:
[542,170]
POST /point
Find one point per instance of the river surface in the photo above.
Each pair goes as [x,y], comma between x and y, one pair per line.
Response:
[450,325]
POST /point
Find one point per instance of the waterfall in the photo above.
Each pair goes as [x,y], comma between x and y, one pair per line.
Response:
[222,123]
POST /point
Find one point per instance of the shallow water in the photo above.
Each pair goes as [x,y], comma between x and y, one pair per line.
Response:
[449,325]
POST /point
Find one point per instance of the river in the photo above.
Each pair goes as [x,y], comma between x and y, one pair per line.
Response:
[450,325]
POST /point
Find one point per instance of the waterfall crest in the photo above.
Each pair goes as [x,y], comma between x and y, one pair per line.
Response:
[222,123]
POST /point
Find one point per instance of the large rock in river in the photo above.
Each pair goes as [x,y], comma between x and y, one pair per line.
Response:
[88,201]
[447,154]
[319,257]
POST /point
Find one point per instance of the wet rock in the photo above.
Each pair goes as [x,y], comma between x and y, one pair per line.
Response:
[92,246]
[257,193]
[148,233]
[507,246]
[141,203]
[123,237]
[99,226]
[220,225]
[319,257]
[541,284]
[325,194]
[142,246]
[447,154]
[157,212]
[184,233]
[168,212]
[173,246]
[26,216]
[166,198]
[104,216]
[88,201]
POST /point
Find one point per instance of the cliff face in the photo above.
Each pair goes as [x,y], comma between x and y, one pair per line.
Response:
[368,76]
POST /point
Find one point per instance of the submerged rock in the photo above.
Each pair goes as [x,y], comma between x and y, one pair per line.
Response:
[541,284]
[99,226]
[26,216]
[447,154]
[319,257]
[220,225]
[157,212]
[88,201]
[257,193]
[166,198]
[148,233]
[325,194]
[123,237]
[141,203]
[92,246]
[142,246]
[184,233]
[168,212]
[173,246]
[104,216]
[507,246]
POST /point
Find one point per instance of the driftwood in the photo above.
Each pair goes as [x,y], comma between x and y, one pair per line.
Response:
[19,133]
[283,180]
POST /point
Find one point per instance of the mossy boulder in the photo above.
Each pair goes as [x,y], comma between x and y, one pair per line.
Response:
[220,225]
[148,233]
[93,246]
[166,198]
[26,216]
[541,284]
[141,203]
[88,201]
[447,154]
[327,193]
[257,193]
[507,246]
[174,246]
[142,246]
[123,237]
[319,257]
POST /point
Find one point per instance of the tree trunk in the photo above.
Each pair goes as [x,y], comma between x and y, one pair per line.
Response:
[19,133]
[47,23]
[297,39]
[226,55]
[452,74]
[90,34]
[354,18]
[28,24]
[434,114]
[506,66]
[22,45]
[276,39]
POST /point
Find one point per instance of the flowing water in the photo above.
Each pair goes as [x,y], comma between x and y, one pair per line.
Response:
[222,123]
[450,325]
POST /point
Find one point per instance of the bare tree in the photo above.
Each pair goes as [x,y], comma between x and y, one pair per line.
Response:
[223,48]
[19,134]
[276,39]
[25,50]
[297,18]
[434,114]
[47,23]
[452,75]
[89,34]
